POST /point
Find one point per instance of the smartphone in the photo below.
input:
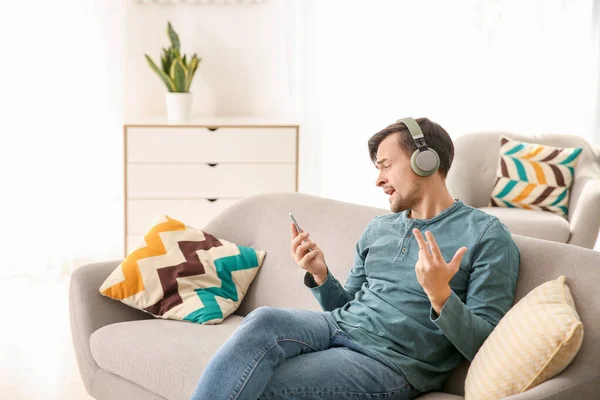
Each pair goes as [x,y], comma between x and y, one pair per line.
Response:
[297,227]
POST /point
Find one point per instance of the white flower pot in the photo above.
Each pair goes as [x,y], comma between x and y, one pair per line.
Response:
[179,106]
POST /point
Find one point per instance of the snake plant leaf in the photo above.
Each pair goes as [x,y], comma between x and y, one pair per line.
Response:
[178,74]
[184,60]
[173,36]
[197,63]
[163,63]
[191,71]
[166,61]
[165,78]
[173,54]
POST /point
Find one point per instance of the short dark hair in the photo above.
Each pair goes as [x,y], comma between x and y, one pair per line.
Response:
[435,136]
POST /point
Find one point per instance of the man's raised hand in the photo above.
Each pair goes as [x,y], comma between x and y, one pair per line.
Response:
[433,272]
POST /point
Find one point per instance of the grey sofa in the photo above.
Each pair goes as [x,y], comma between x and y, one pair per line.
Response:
[124,353]
[472,178]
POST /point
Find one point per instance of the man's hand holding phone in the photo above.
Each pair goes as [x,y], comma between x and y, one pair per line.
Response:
[307,254]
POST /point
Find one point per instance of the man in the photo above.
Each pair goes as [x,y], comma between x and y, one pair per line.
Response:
[413,306]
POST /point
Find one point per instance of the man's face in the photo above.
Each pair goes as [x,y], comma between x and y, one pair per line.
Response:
[395,175]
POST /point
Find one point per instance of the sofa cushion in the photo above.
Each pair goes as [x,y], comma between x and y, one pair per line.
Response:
[164,357]
[539,224]
[534,176]
[536,340]
[180,272]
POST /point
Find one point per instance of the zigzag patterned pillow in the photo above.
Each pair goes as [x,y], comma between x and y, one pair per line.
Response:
[179,272]
[534,176]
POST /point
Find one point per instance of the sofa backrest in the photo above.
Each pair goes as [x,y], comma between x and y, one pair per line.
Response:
[262,222]
[472,175]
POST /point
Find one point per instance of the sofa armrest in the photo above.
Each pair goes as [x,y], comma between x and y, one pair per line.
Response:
[586,218]
[89,311]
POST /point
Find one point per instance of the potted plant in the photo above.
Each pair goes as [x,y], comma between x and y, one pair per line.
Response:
[177,73]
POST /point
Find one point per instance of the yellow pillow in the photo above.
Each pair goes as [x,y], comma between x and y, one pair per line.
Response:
[536,340]
[179,272]
[534,176]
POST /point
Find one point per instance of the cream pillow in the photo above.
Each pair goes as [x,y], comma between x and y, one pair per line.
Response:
[536,340]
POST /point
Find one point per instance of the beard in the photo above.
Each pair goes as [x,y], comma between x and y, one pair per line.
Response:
[409,201]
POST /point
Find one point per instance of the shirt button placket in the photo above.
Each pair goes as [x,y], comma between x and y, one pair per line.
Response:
[409,238]
[405,243]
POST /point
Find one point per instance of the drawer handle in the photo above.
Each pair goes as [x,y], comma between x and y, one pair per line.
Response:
[212,164]
[212,129]
[212,200]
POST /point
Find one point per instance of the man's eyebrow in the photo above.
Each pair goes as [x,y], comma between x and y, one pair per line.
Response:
[380,162]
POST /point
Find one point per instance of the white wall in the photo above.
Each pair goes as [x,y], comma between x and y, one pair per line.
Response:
[254,64]
[243,69]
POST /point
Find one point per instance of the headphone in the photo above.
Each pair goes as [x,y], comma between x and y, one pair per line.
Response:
[424,161]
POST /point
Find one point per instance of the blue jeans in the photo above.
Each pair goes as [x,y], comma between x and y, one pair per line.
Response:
[279,353]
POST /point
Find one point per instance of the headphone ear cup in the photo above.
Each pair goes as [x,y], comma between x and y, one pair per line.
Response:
[425,163]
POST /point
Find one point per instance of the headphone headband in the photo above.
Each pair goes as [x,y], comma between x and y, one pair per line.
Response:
[413,127]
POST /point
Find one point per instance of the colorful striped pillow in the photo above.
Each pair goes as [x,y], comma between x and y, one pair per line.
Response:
[535,341]
[179,272]
[534,176]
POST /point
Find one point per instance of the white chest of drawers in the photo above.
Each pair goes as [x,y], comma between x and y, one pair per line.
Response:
[193,171]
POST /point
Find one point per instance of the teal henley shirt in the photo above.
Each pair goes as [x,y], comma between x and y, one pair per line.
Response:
[383,307]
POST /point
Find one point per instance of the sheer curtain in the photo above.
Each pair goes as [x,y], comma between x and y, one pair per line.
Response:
[61,168]
[523,66]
